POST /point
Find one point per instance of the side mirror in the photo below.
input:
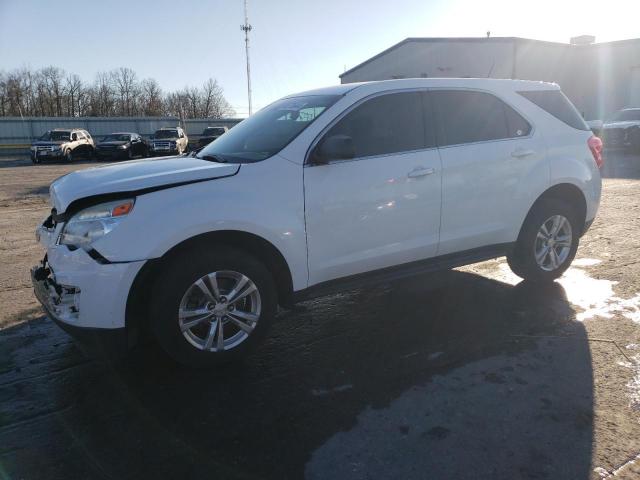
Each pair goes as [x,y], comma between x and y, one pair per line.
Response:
[335,147]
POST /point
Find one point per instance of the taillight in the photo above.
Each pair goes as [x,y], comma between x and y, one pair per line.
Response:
[595,145]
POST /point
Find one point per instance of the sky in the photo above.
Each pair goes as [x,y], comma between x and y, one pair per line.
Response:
[296,45]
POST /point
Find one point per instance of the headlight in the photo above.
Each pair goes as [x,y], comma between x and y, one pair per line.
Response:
[33,149]
[56,147]
[123,147]
[93,223]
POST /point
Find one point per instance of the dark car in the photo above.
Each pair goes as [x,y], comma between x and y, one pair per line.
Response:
[623,130]
[121,145]
[209,134]
[62,144]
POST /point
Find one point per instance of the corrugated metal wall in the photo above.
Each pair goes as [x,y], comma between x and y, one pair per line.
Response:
[598,78]
[16,134]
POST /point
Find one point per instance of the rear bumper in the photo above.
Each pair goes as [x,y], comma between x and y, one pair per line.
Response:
[60,305]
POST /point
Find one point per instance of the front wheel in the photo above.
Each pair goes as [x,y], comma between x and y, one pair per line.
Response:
[68,156]
[547,243]
[212,306]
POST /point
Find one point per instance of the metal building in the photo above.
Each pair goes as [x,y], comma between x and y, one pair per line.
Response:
[600,78]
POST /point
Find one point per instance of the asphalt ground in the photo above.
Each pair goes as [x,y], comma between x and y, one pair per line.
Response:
[465,374]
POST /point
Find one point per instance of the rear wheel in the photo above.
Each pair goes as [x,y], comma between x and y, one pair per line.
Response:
[547,243]
[212,306]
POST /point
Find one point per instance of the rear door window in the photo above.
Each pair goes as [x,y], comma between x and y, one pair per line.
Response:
[557,104]
[386,124]
[468,117]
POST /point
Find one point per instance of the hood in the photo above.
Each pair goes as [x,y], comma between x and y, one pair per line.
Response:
[134,176]
[627,124]
[166,139]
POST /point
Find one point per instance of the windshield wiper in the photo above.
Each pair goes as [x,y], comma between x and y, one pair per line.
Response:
[212,158]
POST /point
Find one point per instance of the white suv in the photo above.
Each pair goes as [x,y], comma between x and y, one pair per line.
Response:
[318,192]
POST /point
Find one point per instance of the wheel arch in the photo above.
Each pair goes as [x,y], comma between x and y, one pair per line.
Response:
[567,192]
[136,319]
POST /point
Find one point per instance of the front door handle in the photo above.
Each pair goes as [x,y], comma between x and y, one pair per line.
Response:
[420,172]
[521,153]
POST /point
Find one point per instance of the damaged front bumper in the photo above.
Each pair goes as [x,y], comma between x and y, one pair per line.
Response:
[62,305]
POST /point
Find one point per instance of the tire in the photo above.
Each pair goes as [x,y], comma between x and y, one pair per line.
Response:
[176,290]
[560,251]
[35,160]
[68,156]
[129,154]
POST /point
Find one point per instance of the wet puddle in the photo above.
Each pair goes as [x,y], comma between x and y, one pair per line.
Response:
[594,297]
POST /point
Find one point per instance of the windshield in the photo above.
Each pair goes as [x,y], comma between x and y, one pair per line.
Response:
[270,130]
[117,137]
[626,116]
[166,134]
[56,136]
[212,131]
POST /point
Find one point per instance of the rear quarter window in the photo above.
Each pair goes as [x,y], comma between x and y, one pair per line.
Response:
[557,104]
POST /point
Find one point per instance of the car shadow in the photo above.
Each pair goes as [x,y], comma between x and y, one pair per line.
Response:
[498,380]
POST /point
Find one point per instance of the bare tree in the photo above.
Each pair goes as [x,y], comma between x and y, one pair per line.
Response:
[4,94]
[73,91]
[213,102]
[151,98]
[103,95]
[52,92]
[125,81]
[191,96]
[53,78]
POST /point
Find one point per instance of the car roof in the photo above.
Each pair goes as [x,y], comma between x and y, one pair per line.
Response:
[496,84]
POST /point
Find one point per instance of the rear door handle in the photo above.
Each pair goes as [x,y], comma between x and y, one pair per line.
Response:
[521,153]
[420,172]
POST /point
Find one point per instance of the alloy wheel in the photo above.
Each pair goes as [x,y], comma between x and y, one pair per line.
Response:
[553,243]
[219,311]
